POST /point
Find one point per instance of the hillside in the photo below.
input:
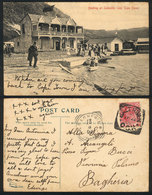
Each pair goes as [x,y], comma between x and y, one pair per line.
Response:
[13,12]
[124,34]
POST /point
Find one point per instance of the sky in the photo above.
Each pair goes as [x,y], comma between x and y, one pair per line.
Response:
[108,16]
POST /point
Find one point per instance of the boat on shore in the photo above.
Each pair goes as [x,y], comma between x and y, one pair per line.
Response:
[96,59]
[92,68]
[92,64]
[105,56]
[102,60]
[115,53]
[127,52]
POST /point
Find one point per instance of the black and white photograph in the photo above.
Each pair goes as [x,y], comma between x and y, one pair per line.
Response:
[75,96]
[76,48]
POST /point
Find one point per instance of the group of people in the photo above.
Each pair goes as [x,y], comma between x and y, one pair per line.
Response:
[95,50]
[8,49]
[91,50]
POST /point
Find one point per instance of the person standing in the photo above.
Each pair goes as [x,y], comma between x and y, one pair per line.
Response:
[8,50]
[33,52]
[90,49]
[79,50]
[99,50]
[68,50]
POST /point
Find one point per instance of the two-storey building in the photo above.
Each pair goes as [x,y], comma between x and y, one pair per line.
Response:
[49,31]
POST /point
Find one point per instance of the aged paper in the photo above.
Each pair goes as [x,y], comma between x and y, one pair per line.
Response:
[76,48]
[76,144]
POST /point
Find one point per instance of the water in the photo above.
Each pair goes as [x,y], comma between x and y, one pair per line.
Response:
[123,75]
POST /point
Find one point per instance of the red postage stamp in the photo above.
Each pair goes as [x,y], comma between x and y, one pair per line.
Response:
[130,117]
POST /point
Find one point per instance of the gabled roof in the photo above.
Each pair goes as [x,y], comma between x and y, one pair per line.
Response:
[94,41]
[107,39]
[55,20]
[71,21]
[63,20]
[102,40]
[45,19]
[143,40]
[48,19]
[34,17]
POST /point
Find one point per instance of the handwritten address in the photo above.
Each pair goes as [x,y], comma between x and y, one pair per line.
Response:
[43,150]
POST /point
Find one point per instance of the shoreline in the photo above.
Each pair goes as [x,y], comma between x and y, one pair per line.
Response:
[50,79]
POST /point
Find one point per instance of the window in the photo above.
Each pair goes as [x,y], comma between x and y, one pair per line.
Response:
[23,28]
[34,27]
[18,44]
[72,43]
[79,30]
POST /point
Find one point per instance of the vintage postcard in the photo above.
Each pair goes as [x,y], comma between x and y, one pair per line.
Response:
[76,145]
[76,48]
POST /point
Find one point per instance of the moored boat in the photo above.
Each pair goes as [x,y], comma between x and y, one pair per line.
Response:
[102,60]
[128,52]
[92,68]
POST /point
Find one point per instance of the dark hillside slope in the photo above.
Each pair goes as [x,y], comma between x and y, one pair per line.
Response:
[13,12]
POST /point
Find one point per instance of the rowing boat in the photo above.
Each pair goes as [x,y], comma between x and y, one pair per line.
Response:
[92,68]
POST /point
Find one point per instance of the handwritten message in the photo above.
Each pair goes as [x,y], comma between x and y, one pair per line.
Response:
[70,86]
[46,85]
[64,145]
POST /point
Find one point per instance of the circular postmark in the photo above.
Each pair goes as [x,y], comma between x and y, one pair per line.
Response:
[91,125]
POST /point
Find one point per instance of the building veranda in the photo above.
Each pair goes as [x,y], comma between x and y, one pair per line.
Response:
[49,31]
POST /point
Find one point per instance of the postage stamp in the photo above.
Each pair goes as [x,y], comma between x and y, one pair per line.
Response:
[91,124]
[130,118]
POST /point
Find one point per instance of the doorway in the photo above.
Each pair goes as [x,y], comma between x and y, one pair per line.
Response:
[116,47]
[71,43]
[45,46]
[57,45]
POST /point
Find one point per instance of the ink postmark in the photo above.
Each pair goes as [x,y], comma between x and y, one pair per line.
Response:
[130,118]
[91,125]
